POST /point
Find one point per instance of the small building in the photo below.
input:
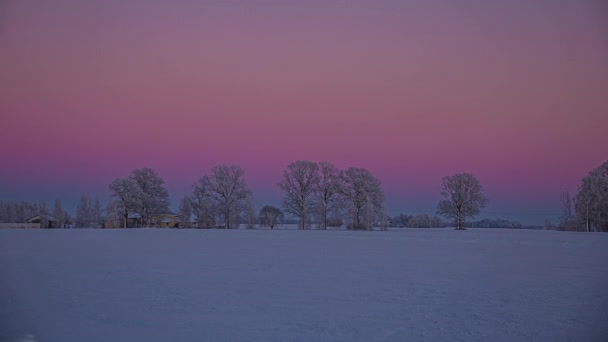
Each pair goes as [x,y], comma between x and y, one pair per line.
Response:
[169,220]
[134,220]
[47,222]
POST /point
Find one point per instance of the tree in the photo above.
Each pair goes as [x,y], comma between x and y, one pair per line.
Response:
[299,183]
[202,204]
[185,212]
[270,216]
[327,191]
[463,198]
[224,191]
[44,215]
[249,211]
[154,197]
[85,216]
[363,196]
[58,212]
[591,202]
[68,219]
[127,195]
[567,219]
[384,219]
[97,213]
[112,217]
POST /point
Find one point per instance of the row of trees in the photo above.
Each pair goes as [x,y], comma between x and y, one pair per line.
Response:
[588,209]
[12,212]
[416,221]
[322,191]
[89,213]
[313,192]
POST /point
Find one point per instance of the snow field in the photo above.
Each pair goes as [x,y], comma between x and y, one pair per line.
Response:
[289,285]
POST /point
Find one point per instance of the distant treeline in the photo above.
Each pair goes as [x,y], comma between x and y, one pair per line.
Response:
[315,195]
[21,211]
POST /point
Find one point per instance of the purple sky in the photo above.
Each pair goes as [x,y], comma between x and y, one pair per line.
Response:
[511,91]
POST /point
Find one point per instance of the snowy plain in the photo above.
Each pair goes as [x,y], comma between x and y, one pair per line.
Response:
[289,285]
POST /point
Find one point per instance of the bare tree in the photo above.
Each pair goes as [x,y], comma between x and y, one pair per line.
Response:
[202,204]
[270,216]
[44,215]
[463,198]
[327,192]
[591,202]
[566,207]
[17,211]
[127,196]
[97,213]
[299,183]
[249,211]
[185,212]
[224,192]
[384,220]
[363,196]
[112,217]
[154,197]
[567,219]
[235,214]
[85,216]
[58,212]
[68,219]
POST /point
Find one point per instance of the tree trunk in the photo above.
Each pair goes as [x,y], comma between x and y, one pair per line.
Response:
[324,223]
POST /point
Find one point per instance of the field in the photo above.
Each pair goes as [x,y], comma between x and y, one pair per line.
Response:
[289,285]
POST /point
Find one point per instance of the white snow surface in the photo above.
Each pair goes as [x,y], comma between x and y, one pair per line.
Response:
[289,285]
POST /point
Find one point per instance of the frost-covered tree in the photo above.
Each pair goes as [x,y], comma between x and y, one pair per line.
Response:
[363,197]
[58,213]
[97,213]
[154,197]
[185,212]
[127,196]
[112,216]
[17,212]
[203,207]
[463,198]
[327,192]
[44,215]
[3,212]
[68,219]
[235,214]
[270,216]
[85,213]
[568,219]
[249,211]
[384,219]
[223,192]
[592,199]
[299,183]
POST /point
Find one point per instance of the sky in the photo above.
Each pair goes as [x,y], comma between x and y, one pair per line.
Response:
[514,92]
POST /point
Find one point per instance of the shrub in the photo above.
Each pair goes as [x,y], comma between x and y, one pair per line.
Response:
[334,222]
[356,226]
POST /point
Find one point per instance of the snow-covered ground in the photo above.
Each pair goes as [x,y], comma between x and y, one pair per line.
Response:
[289,285]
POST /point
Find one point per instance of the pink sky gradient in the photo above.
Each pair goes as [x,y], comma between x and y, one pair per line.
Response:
[512,91]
